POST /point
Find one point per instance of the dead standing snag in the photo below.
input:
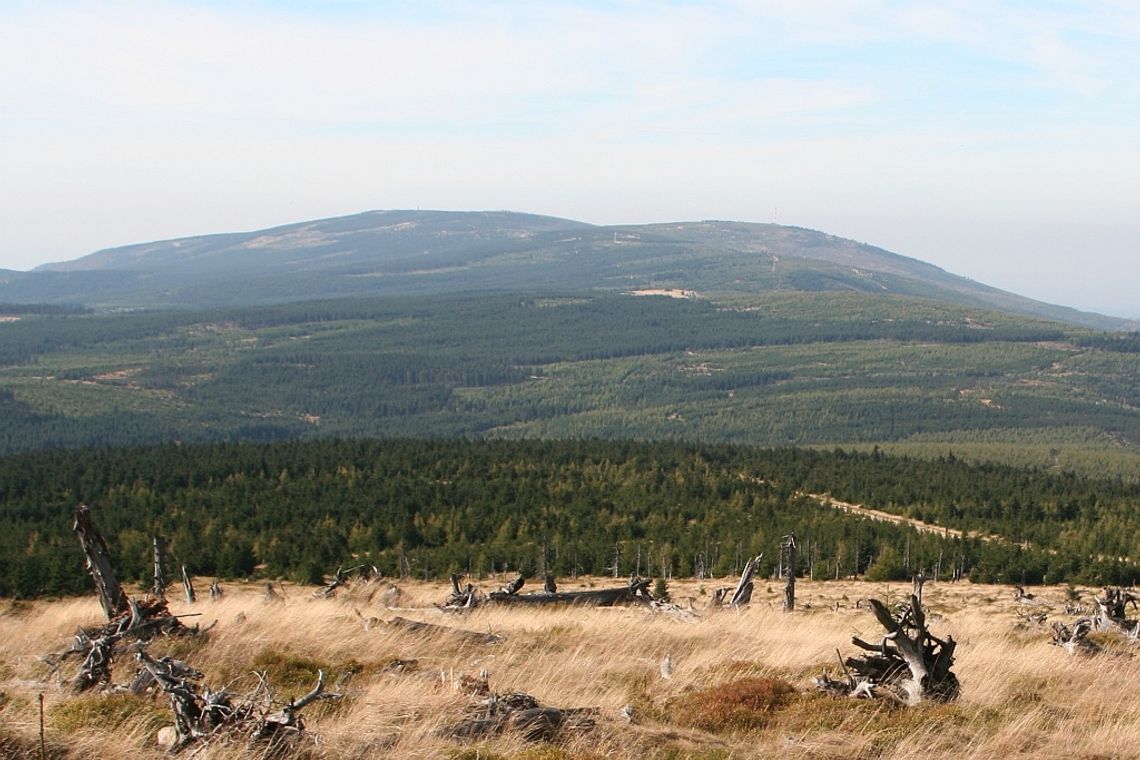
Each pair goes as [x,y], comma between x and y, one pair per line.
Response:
[111,594]
[128,619]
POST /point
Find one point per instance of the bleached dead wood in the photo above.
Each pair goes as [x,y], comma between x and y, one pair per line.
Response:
[673,610]
[462,599]
[907,665]
[188,586]
[159,585]
[513,587]
[1074,640]
[743,593]
[204,715]
[1111,613]
[288,718]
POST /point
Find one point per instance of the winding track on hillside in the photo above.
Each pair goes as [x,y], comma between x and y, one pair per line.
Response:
[827,500]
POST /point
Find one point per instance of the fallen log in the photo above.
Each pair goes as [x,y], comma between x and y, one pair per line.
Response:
[431,629]
[636,592]
[522,714]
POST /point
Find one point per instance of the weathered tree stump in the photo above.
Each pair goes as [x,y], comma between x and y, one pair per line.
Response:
[128,619]
[788,546]
[159,585]
[743,593]
[188,586]
[1111,613]
[461,599]
[111,595]
[908,665]
[1073,640]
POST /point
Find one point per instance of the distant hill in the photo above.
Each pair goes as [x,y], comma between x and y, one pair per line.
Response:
[827,369]
[434,252]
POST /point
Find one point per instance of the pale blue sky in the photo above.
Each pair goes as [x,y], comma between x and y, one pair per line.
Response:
[998,140]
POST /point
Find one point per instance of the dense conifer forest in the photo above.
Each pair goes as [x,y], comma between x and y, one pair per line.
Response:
[771,369]
[579,433]
[427,508]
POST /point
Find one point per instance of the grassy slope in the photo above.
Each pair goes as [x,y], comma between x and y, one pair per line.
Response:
[1022,698]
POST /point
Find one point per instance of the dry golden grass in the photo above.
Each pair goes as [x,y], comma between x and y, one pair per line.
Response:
[1022,697]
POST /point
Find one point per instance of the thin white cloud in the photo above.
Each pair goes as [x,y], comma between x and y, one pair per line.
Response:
[144,120]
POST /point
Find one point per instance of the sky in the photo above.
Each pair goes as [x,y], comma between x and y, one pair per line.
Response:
[999,140]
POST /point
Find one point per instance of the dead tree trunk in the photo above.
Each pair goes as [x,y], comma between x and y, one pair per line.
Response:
[127,618]
[789,561]
[191,597]
[743,593]
[513,587]
[159,587]
[636,591]
[111,595]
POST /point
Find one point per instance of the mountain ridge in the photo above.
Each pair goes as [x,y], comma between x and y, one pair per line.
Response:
[388,252]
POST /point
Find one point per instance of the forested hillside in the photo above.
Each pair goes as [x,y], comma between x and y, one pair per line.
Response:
[428,508]
[777,369]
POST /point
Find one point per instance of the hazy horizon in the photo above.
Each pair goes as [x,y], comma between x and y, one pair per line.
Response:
[994,140]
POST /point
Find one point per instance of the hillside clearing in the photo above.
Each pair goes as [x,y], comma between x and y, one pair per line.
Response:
[1021,696]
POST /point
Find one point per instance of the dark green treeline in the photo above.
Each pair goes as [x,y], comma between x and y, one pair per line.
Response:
[299,509]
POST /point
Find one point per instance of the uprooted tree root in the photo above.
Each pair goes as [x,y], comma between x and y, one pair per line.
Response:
[908,665]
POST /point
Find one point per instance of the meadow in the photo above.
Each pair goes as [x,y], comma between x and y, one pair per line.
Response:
[740,684]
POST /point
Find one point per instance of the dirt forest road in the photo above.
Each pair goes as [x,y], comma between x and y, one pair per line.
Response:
[828,500]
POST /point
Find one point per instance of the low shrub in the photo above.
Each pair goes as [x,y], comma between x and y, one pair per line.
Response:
[107,712]
[741,705]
